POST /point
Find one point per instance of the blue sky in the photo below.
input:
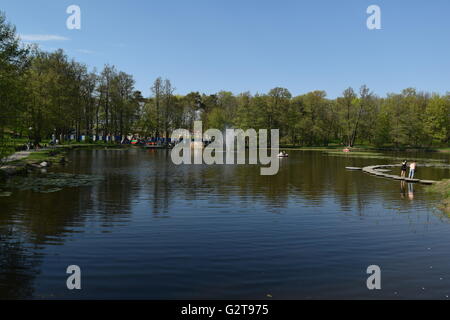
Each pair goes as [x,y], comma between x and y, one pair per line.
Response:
[253,45]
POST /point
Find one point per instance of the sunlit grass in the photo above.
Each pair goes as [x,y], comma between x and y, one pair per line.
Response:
[376,155]
[443,189]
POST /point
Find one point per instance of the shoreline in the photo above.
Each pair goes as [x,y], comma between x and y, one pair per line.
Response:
[442,188]
[362,148]
[22,162]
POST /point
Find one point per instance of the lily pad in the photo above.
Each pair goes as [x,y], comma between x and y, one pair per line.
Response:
[53,182]
[52,190]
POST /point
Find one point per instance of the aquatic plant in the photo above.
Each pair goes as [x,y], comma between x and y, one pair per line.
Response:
[52,182]
[443,189]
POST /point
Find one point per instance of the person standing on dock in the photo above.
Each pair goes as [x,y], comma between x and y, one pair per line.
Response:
[404,167]
[412,169]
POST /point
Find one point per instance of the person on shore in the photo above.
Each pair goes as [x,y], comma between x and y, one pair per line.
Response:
[412,169]
[404,167]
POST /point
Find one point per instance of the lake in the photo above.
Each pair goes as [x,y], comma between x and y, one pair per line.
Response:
[145,228]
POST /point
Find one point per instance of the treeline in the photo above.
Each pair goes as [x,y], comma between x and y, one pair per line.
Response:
[44,94]
[409,118]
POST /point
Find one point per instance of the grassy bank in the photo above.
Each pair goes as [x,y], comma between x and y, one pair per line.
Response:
[443,189]
[366,152]
[363,147]
[52,156]
[93,145]
[57,153]
[10,145]
[447,150]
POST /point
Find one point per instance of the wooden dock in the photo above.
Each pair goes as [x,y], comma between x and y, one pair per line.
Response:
[380,171]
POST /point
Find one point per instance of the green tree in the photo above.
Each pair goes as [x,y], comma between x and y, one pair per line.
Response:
[437,119]
[13,62]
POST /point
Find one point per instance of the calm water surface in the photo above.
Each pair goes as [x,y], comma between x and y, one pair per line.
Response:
[153,230]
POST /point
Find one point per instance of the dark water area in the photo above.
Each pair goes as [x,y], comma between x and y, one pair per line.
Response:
[148,229]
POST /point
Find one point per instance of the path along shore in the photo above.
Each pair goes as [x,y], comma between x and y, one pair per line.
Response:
[18,162]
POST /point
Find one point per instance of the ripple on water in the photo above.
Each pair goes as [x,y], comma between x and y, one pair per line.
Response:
[166,231]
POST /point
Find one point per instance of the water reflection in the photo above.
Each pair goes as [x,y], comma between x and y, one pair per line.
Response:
[407,192]
[410,191]
[227,206]
[18,265]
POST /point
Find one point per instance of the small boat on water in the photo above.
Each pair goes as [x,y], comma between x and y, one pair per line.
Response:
[152,145]
[283,155]
[157,143]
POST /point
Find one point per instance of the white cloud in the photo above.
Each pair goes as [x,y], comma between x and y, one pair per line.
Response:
[85,51]
[42,37]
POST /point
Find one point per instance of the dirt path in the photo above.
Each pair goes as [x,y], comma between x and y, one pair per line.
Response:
[17,156]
